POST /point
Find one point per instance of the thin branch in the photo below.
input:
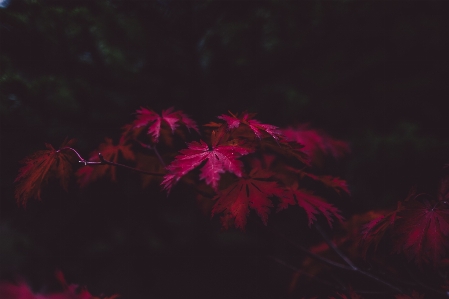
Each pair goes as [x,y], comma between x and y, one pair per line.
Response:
[325,282]
[291,267]
[339,265]
[311,254]
[334,247]
[153,148]
[159,156]
[351,265]
[103,161]
[82,160]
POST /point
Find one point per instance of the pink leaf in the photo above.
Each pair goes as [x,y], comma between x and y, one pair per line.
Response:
[219,159]
[172,118]
[317,144]
[312,204]
[257,127]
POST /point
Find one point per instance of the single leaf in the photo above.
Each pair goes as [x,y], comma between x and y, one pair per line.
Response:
[218,158]
[374,231]
[152,120]
[234,121]
[39,167]
[316,144]
[288,149]
[110,152]
[312,205]
[332,182]
[423,233]
[252,191]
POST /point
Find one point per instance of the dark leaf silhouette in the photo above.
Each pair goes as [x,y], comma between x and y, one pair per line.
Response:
[252,191]
[41,166]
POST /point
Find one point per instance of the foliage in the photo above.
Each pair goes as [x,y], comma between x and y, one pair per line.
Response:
[247,165]
[373,73]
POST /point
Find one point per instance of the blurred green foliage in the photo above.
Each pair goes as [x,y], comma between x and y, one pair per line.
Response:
[373,73]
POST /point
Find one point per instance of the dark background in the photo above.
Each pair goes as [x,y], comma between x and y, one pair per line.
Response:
[374,73]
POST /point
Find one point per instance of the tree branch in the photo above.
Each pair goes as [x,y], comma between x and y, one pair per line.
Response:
[351,264]
[334,247]
[103,161]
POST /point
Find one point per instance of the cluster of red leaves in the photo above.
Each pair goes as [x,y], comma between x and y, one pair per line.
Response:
[255,186]
[264,163]
[244,165]
[23,291]
[156,126]
[41,166]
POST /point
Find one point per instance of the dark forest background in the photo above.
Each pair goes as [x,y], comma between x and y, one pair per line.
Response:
[374,73]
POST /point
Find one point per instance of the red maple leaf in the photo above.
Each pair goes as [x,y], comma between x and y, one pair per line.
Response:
[316,143]
[374,231]
[146,117]
[110,152]
[219,159]
[257,127]
[252,191]
[330,181]
[39,167]
[312,204]
[423,233]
